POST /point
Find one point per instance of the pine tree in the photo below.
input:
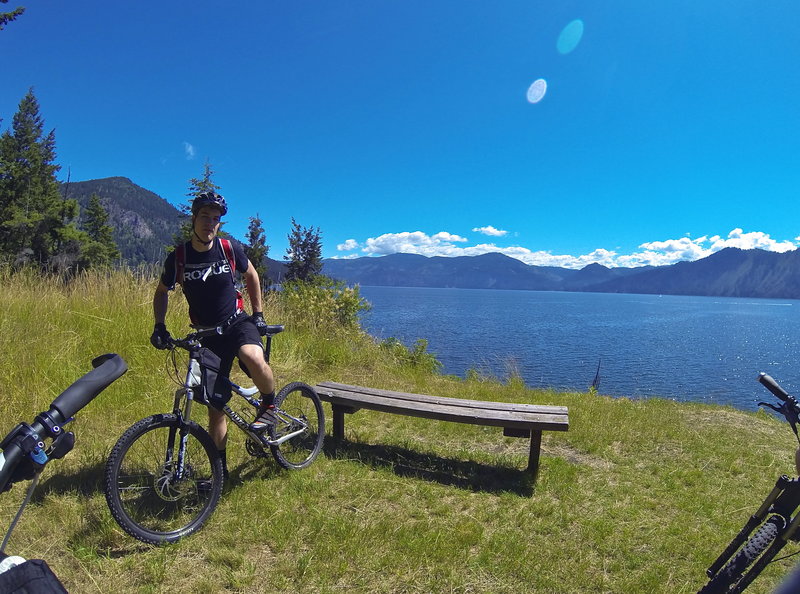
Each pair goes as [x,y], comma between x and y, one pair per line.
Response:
[196,187]
[36,224]
[257,249]
[101,250]
[7,17]
[304,253]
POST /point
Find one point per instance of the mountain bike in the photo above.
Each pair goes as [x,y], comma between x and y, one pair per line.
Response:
[771,527]
[163,478]
[25,454]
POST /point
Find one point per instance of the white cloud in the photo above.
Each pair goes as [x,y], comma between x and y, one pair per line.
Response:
[188,150]
[489,230]
[653,253]
[660,253]
[414,242]
[755,239]
[347,246]
[444,236]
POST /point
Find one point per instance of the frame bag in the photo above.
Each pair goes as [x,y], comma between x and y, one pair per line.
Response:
[216,388]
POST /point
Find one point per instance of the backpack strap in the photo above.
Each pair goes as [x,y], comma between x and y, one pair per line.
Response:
[227,249]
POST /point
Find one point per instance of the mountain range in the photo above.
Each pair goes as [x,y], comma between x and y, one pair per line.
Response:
[144,225]
[731,272]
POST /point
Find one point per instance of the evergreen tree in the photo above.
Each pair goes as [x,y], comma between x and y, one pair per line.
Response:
[196,187]
[304,253]
[257,249]
[7,17]
[101,250]
[36,224]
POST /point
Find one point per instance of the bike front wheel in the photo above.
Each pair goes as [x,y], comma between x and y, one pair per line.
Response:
[163,479]
[301,423]
[728,577]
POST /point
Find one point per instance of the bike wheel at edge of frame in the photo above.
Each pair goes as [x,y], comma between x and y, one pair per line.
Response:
[300,401]
[143,499]
[736,567]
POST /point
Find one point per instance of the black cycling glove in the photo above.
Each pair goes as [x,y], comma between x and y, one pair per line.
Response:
[258,319]
[160,337]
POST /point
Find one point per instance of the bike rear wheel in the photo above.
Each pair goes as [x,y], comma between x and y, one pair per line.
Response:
[152,494]
[732,572]
[299,410]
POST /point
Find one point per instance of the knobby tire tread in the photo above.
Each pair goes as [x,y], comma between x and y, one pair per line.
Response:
[741,561]
[312,443]
[118,456]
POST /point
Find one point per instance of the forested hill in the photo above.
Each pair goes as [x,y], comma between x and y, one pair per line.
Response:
[143,222]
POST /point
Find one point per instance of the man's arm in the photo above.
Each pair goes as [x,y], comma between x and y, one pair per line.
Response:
[160,337]
[160,302]
[253,285]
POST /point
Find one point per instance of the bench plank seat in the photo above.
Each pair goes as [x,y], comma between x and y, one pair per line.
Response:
[517,420]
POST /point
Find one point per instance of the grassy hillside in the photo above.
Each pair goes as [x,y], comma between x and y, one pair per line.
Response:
[638,496]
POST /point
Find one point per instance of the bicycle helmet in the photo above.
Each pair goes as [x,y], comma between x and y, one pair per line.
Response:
[209,199]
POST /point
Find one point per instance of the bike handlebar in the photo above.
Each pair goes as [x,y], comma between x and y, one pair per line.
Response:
[771,385]
[107,369]
[789,408]
[192,339]
[27,441]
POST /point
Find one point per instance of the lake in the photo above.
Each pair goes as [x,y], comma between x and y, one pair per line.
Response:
[707,349]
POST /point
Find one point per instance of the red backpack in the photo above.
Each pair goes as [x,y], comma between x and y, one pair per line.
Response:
[227,248]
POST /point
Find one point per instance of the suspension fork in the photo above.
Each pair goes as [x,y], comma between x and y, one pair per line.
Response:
[180,431]
[782,501]
[178,435]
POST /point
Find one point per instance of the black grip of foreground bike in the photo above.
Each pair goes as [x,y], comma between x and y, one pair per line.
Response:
[107,368]
[771,385]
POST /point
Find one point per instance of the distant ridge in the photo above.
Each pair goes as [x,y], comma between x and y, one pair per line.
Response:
[487,271]
[731,272]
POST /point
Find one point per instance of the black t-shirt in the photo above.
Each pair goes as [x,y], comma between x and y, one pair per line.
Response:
[207,281]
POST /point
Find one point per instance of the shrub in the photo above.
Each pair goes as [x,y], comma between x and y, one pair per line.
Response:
[417,357]
[322,303]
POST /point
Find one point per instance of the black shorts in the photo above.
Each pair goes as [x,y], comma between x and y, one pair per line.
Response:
[226,345]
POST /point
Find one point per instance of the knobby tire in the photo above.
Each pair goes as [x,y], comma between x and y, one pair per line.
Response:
[143,493]
[732,572]
[302,402]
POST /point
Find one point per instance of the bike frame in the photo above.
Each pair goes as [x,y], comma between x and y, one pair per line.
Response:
[185,397]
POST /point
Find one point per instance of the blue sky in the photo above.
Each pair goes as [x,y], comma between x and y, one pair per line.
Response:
[668,130]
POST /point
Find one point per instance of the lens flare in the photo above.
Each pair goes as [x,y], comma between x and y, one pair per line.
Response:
[537,90]
[570,37]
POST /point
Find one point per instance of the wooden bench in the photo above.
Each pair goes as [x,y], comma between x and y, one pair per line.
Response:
[517,420]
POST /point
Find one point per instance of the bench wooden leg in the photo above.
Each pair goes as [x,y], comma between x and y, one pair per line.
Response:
[338,422]
[533,456]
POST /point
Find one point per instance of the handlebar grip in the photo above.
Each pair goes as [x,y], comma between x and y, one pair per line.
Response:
[107,368]
[771,385]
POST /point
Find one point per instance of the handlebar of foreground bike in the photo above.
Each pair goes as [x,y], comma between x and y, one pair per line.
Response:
[771,385]
[789,408]
[27,440]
